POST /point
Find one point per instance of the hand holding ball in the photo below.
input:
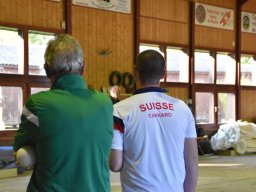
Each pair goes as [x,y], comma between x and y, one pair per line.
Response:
[26,156]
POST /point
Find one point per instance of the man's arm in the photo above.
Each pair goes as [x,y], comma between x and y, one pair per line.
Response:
[191,164]
[28,129]
[116,154]
[116,160]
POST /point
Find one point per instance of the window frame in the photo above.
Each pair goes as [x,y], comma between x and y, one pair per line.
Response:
[26,81]
[213,87]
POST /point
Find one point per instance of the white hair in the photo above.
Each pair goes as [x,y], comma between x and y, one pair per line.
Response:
[63,55]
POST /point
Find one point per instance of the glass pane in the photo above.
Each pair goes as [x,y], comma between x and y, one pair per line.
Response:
[204,107]
[226,69]
[37,45]
[144,47]
[204,67]
[12,51]
[226,107]
[177,65]
[38,89]
[10,107]
[248,70]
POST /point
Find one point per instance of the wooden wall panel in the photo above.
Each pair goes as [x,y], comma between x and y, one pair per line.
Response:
[39,13]
[248,105]
[248,42]
[209,37]
[164,21]
[214,38]
[230,4]
[100,31]
[171,10]
[163,31]
[248,39]
[179,92]
[249,6]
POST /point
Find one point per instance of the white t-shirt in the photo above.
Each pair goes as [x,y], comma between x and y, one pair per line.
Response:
[150,127]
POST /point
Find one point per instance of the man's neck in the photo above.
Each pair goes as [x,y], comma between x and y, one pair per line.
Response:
[139,86]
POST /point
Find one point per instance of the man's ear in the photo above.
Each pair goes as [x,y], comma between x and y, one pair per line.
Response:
[135,71]
[82,70]
[46,68]
[163,75]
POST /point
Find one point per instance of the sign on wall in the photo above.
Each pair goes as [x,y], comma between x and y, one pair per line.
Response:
[123,6]
[248,22]
[212,16]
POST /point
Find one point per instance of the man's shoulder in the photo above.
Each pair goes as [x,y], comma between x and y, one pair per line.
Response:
[42,95]
[99,94]
[100,97]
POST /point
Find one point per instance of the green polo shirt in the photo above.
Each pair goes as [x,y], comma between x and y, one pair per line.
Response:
[71,128]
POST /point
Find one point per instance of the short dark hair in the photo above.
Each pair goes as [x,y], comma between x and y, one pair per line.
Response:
[150,66]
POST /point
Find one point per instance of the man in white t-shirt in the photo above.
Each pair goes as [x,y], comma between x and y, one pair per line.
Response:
[154,145]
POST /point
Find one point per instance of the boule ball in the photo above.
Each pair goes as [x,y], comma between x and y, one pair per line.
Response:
[26,156]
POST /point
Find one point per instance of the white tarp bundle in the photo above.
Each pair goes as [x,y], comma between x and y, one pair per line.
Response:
[248,135]
[238,135]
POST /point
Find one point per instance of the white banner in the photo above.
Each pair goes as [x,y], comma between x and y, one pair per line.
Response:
[123,6]
[212,16]
[248,22]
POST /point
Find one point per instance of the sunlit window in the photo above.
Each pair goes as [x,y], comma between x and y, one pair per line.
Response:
[176,65]
[22,58]
[37,45]
[248,70]
[10,107]
[204,107]
[144,47]
[226,68]
[204,67]
[38,89]
[12,51]
[226,107]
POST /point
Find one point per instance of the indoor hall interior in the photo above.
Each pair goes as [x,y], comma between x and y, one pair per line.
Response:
[210,52]
[216,174]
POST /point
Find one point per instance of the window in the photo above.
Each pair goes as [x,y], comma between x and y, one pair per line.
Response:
[37,45]
[12,51]
[204,67]
[10,107]
[248,70]
[226,107]
[214,103]
[226,68]
[176,65]
[38,89]
[20,74]
[204,107]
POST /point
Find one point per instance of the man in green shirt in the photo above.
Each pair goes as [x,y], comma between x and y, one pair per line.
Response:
[69,126]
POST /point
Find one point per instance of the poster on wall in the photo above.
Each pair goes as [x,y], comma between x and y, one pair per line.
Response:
[248,22]
[212,16]
[123,6]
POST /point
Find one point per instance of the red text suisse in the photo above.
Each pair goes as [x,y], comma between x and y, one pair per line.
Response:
[156,105]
